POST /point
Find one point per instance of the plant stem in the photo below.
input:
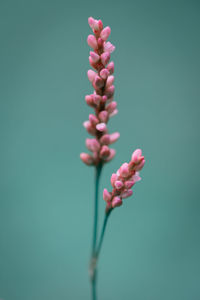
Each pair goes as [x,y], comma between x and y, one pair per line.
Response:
[102,233]
[95,227]
[92,269]
[95,256]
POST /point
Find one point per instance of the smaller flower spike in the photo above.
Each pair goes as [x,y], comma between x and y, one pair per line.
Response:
[123,180]
[101,100]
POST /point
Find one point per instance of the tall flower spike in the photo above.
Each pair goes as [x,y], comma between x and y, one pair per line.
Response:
[123,180]
[101,100]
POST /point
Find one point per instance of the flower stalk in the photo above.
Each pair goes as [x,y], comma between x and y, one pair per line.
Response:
[98,170]
[102,79]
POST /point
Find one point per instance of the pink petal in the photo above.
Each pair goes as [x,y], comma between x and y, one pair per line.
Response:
[136,155]
[105,33]
[124,170]
[93,119]
[110,67]
[136,177]
[109,47]
[105,139]
[92,144]
[109,81]
[129,183]
[101,127]
[118,184]
[95,57]
[91,75]
[104,73]
[117,201]
[92,42]
[114,137]
[105,57]
[111,107]
[112,154]
[87,159]
[127,194]
[105,152]
[113,178]
[106,195]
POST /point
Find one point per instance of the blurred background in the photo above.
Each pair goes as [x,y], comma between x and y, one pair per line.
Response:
[152,245]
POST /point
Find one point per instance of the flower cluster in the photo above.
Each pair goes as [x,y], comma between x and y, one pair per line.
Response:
[123,180]
[102,98]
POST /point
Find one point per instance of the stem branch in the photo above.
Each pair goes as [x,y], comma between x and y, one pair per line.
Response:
[102,234]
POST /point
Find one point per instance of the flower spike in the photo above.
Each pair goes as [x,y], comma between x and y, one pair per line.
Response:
[101,100]
[123,180]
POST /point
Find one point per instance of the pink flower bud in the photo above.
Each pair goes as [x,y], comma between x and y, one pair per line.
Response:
[136,155]
[108,47]
[140,165]
[105,57]
[92,42]
[91,22]
[95,57]
[88,126]
[118,184]
[101,127]
[91,75]
[93,119]
[110,91]
[92,63]
[98,81]
[109,81]
[110,67]
[117,201]
[114,137]
[111,107]
[136,177]
[94,24]
[112,154]
[127,194]
[100,42]
[103,116]
[104,98]
[87,159]
[96,99]
[104,73]
[113,178]
[124,170]
[106,195]
[105,139]
[89,100]
[114,113]
[129,183]
[104,152]
[100,24]
[92,144]
[105,33]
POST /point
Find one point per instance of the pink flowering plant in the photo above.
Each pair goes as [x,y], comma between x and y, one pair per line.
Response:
[104,106]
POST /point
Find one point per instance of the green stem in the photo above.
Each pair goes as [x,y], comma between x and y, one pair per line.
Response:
[93,271]
[102,234]
[95,256]
[95,227]
[94,292]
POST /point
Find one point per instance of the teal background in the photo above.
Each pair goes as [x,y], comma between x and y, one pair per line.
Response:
[152,245]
